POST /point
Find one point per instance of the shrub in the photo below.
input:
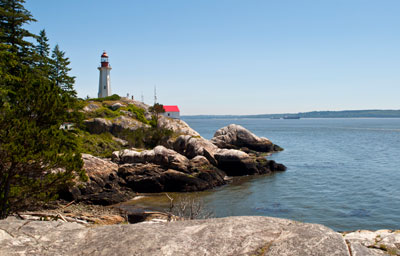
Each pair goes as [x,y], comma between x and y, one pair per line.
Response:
[100,145]
[138,112]
[104,113]
[112,97]
[146,137]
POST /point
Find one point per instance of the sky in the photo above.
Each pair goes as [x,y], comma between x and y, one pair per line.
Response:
[233,56]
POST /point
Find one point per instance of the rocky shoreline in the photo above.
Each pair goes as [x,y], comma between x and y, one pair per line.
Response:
[185,164]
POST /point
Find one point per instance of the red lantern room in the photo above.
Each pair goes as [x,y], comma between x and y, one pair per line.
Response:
[104,59]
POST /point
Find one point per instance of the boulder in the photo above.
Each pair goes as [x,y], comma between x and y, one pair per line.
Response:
[236,163]
[225,236]
[98,125]
[123,123]
[235,137]
[116,106]
[177,126]
[92,106]
[167,158]
[146,178]
[195,146]
[103,186]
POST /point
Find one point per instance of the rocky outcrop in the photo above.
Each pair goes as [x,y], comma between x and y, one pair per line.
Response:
[92,106]
[156,170]
[380,242]
[185,163]
[152,178]
[237,137]
[104,186]
[163,169]
[224,236]
[195,146]
[160,155]
[177,126]
[114,126]
[233,162]
[194,164]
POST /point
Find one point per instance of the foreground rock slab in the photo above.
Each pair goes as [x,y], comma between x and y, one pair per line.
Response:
[225,236]
[380,242]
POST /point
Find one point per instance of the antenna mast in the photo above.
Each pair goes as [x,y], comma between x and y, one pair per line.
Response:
[155,95]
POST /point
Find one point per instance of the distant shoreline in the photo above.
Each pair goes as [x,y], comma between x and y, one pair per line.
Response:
[313,114]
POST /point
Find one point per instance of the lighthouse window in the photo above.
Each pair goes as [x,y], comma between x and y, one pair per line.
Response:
[104,87]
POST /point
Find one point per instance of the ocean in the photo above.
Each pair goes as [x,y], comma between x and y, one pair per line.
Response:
[342,173]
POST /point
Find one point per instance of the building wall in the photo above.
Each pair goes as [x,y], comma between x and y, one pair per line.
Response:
[104,82]
[175,115]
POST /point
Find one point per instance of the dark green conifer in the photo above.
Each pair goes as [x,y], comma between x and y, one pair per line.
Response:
[60,70]
[43,50]
[37,158]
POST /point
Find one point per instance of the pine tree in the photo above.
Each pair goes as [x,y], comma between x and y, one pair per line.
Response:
[43,50]
[36,157]
[60,70]
[12,35]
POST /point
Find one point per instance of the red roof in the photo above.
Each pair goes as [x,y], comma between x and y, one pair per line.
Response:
[173,108]
[104,54]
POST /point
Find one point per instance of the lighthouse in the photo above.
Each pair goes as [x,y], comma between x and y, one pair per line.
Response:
[104,79]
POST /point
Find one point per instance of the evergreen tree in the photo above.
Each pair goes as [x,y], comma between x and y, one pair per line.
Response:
[36,157]
[43,50]
[12,36]
[156,110]
[60,70]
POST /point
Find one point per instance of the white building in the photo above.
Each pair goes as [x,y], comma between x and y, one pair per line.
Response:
[104,80]
[67,126]
[172,111]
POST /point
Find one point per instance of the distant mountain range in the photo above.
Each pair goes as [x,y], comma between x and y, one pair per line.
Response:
[373,113]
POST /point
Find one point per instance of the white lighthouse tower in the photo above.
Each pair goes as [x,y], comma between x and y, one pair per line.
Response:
[104,80]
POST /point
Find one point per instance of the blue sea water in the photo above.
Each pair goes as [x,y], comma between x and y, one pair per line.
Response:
[343,173]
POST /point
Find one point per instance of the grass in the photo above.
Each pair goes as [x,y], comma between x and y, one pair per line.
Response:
[100,145]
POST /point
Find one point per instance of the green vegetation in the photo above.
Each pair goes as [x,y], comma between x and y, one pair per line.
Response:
[37,159]
[109,98]
[101,145]
[156,110]
[146,137]
[103,112]
[138,112]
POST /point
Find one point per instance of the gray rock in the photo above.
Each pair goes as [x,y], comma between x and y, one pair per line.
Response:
[380,242]
[103,186]
[235,137]
[123,123]
[160,155]
[116,106]
[177,125]
[195,146]
[91,107]
[115,126]
[236,163]
[225,236]
[98,125]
